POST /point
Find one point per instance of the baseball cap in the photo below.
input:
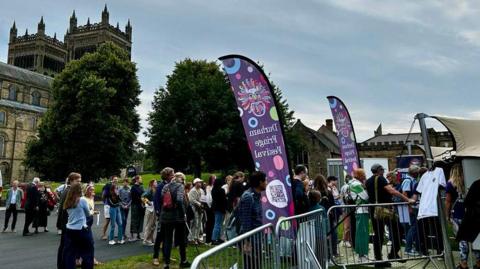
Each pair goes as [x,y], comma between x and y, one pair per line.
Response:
[376,167]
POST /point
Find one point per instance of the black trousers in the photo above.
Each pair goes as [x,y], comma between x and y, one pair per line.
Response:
[158,240]
[353,227]
[171,229]
[60,263]
[29,217]
[379,234]
[209,225]
[78,243]
[430,235]
[11,210]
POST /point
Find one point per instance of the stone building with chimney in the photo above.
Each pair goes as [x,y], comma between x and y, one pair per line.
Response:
[26,79]
[316,147]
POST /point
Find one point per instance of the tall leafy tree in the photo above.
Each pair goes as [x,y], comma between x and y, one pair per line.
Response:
[91,124]
[195,124]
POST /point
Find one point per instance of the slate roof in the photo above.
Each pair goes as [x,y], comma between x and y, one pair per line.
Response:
[394,138]
[27,76]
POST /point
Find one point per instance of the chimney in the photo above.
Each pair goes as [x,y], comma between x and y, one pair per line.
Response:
[329,124]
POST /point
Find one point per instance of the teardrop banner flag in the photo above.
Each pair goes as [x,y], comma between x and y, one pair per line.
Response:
[345,134]
[257,106]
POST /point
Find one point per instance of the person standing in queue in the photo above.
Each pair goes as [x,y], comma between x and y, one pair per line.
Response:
[72,179]
[78,236]
[31,205]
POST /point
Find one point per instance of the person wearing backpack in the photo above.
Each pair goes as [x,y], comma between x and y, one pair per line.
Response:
[173,219]
[408,189]
[167,174]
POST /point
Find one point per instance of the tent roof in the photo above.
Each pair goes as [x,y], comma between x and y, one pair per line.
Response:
[466,134]
[438,152]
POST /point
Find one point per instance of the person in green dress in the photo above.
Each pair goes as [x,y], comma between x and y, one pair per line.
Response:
[360,196]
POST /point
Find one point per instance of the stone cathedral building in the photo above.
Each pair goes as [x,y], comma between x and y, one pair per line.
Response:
[26,79]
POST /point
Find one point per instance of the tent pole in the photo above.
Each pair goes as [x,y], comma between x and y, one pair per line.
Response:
[449,263]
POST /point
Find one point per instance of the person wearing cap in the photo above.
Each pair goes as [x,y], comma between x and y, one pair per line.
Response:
[194,198]
[408,189]
[380,191]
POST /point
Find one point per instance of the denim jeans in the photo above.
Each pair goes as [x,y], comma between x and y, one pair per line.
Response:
[217,228]
[412,233]
[115,218]
[124,214]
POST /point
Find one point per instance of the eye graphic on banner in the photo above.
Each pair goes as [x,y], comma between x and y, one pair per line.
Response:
[263,128]
[345,134]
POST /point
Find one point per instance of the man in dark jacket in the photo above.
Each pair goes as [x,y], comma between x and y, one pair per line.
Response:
[300,198]
[172,220]
[31,205]
[167,175]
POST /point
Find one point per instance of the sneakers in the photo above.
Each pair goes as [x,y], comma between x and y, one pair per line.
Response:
[156,262]
[148,243]
[347,244]
[4,230]
[363,259]
[59,232]
[121,242]
[14,231]
[112,242]
[103,237]
[185,264]
[411,253]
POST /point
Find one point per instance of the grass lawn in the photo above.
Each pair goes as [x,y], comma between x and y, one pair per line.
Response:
[145,261]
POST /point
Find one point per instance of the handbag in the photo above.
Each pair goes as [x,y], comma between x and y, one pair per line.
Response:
[381,212]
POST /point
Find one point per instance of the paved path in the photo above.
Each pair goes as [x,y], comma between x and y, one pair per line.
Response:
[40,251]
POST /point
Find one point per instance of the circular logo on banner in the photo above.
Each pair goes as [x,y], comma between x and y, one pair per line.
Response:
[277,194]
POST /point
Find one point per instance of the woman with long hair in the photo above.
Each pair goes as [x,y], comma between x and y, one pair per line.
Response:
[115,217]
[455,211]
[78,236]
[320,184]
[219,206]
[90,197]
[150,213]
[208,209]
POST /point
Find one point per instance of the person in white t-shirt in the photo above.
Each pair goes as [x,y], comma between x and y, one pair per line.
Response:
[428,221]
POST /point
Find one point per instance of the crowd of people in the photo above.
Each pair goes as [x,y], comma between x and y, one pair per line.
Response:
[178,213]
[40,201]
[415,222]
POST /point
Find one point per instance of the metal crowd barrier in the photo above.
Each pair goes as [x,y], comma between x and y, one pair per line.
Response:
[297,242]
[302,241]
[252,250]
[372,239]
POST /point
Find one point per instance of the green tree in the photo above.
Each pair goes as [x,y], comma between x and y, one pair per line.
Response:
[91,124]
[195,125]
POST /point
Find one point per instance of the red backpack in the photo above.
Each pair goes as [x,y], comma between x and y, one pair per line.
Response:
[167,200]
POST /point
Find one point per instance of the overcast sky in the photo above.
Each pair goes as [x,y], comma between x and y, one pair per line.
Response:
[387,60]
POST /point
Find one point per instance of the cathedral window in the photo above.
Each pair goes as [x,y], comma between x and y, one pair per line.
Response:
[2,145]
[36,98]
[3,118]
[12,93]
